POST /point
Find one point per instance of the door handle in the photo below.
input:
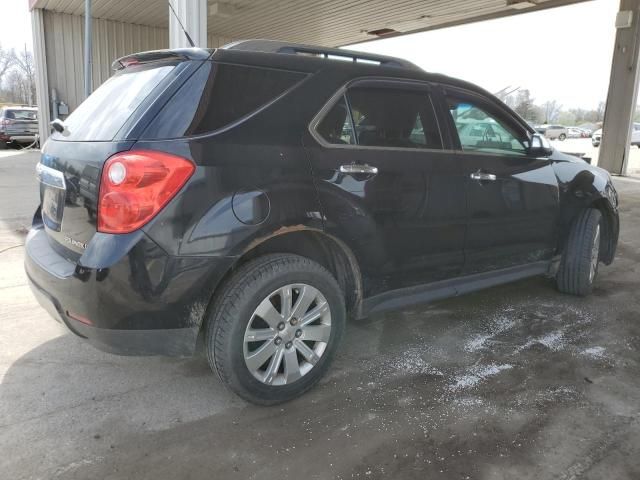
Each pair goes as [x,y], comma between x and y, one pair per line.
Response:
[483,177]
[358,168]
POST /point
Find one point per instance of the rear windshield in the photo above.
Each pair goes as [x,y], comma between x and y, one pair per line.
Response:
[100,117]
[20,114]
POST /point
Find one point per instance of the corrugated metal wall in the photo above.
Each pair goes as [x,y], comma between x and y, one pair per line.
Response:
[214,41]
[64,39]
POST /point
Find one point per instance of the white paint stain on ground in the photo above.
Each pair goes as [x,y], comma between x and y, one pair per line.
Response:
[500,325]
[594,352]
[476,375]
[554,341]
[468,401]
[409,362]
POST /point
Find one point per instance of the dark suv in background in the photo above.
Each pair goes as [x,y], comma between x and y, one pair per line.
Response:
[260,194]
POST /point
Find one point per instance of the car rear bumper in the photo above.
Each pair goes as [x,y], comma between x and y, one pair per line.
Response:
[136,306]
[22,138]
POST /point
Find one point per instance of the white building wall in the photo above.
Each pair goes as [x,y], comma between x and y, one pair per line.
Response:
[64,40]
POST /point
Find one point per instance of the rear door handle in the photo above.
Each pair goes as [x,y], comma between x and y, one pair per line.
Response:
[483,177]
[358,168]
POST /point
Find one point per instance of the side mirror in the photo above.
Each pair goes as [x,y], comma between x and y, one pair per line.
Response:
[540,146]
[59,126]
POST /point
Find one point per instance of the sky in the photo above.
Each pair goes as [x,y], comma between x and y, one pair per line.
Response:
[561,54]
[15,24]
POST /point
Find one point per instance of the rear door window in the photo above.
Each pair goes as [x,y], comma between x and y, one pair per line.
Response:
[382,117]
[336,126]
[100,117]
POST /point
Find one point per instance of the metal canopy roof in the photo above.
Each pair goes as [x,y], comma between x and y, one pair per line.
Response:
[320,22]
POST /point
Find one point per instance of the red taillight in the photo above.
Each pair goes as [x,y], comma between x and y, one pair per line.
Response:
[136,185]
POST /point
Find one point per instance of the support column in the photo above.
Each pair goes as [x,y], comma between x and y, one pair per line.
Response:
[88,46]
[623,92]
[192,14]
[42,82]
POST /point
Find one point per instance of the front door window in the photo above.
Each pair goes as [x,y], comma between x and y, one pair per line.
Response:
[480,131]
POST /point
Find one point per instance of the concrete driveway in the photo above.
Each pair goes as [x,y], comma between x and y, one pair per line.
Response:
[516,382]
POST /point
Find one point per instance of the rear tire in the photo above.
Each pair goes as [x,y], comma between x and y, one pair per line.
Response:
[579,264]
[562,137]
[252,318]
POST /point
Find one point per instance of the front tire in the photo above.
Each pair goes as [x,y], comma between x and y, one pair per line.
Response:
[579,264]
[562,137]
[275,328]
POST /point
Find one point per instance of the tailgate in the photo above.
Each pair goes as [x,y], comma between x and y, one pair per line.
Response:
[69,174]
[71,165]
[22,127]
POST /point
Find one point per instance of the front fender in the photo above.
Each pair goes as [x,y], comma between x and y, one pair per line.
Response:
[586,186]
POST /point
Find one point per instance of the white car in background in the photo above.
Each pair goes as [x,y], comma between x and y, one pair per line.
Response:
[596,138]
[556,132]
[575,132]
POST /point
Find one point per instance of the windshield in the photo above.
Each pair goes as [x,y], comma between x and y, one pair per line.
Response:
[100,117]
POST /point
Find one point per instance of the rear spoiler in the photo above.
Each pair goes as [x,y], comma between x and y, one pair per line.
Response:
[162,55]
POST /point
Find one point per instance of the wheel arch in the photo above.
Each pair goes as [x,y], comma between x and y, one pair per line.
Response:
[610,227]
[327,250]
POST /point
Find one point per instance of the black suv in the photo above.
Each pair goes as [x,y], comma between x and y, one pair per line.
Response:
[260,194]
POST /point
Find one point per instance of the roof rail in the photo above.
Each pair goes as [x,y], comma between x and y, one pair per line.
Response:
[275,46]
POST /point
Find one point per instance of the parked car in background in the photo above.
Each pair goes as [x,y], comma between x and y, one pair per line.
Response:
[541,129]
[556,132]
[589,127]
[596,138]
[256,197]
[18,126]
[575,132]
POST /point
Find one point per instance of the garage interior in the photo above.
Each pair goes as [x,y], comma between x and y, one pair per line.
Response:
[120,27]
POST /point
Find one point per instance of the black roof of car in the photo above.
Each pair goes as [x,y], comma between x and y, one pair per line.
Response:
[305,58]
[298,57]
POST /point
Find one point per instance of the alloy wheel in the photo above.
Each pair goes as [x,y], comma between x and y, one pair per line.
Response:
[287,334]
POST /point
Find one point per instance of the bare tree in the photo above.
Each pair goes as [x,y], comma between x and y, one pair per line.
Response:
[6,61]
[551,110]
[14,87]
[24,63]
[600,112]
